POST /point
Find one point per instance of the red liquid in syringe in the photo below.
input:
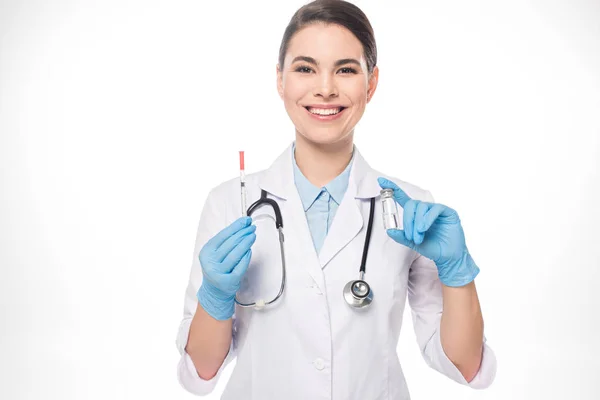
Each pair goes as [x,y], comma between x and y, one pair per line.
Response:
[243,185]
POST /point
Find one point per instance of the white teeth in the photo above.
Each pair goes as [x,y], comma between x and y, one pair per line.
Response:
[324,111]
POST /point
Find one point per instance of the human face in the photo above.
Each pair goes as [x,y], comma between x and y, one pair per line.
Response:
[324,83]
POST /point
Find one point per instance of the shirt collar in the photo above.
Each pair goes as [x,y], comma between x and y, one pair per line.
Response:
[309,192]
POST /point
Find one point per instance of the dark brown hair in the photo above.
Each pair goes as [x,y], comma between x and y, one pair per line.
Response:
[337,12]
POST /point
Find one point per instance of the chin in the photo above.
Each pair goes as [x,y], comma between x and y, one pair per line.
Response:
[325,136]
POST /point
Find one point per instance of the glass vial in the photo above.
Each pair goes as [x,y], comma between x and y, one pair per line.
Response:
[390,209]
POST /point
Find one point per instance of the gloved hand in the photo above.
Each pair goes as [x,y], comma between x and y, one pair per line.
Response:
[434,231]
[224,260]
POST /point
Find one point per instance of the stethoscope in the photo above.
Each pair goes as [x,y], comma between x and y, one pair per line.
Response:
[259,304]
[357,293]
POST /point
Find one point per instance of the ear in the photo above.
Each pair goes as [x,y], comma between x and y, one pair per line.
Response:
[279,82]
[373,80]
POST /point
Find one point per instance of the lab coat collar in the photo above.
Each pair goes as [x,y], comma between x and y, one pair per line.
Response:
[278,179]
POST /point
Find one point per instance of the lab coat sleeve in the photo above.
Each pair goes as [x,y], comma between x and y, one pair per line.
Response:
[212,220]
[426,302]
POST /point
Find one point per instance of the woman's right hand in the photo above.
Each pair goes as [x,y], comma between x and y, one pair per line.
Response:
[224,260]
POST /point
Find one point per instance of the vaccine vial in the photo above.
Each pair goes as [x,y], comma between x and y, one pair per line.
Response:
[390,209]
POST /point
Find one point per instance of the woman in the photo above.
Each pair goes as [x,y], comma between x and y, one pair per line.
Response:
[311,344]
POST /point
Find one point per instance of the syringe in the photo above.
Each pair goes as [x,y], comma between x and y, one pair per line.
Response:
[243,185]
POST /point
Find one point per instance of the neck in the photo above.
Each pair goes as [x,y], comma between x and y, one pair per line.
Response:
[321,163]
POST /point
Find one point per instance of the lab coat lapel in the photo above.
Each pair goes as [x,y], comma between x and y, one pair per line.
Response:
[346,224]
[348,220]
[278,181]
[304,247]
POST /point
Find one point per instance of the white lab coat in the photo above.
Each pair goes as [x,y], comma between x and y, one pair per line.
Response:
[311,344]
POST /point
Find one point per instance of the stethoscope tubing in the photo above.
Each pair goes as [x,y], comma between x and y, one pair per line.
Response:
[350,297]
[279,224]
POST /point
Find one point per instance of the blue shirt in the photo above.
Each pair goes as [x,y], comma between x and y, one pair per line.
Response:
[320,204]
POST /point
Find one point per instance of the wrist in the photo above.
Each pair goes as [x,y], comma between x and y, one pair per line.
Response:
[459,272]
[217,304]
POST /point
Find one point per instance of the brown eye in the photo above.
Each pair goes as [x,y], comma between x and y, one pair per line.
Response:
[304,69]
[348,70]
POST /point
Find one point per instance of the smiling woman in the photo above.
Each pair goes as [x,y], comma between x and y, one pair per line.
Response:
[320,341]
[327,71]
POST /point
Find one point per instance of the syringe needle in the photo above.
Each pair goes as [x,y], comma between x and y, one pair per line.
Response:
[243,185]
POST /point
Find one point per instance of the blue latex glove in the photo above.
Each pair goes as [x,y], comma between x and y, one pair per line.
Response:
[434,231]
[224,260]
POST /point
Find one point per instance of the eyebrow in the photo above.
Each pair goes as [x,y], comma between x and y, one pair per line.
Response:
[337,63]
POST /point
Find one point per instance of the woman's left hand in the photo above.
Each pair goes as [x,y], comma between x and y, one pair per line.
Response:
[434,231]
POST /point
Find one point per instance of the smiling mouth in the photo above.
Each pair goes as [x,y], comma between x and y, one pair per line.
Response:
[325,111]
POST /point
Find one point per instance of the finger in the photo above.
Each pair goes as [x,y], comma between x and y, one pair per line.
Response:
[237,253]
[232,242]
[240,268]
[408,218]
[450,214]
[399,236]
[429,218]
[216,241]
[420,212]
[401,197]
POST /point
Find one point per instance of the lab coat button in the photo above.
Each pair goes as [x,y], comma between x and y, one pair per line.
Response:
[319,364]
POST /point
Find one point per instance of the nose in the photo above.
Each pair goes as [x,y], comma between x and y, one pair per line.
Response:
[325,87]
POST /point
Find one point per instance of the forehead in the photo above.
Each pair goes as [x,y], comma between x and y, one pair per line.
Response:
[325,43]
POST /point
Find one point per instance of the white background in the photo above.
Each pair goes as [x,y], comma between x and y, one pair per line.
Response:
[117,117]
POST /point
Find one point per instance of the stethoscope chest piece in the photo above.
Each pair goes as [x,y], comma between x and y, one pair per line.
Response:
[358,293]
